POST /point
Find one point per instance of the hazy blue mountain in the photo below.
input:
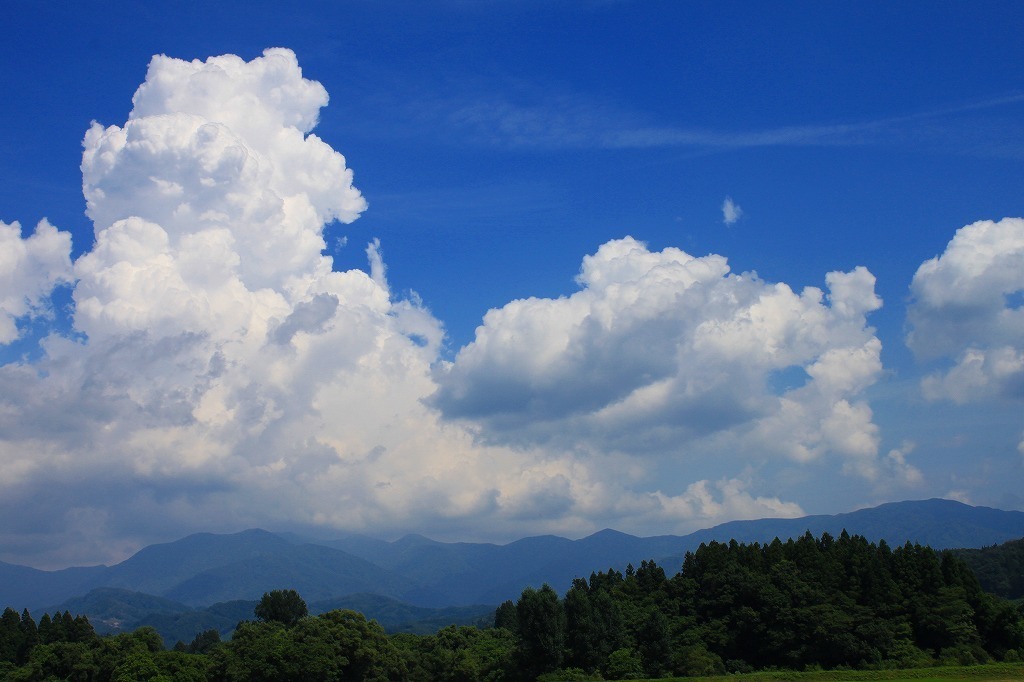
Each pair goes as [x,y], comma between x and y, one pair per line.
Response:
[398,616]
[158,569]
[314,571]
[185,625]
[23,587]
[113,609]
[462,573]
[205,568]
[941,524]
[465,573]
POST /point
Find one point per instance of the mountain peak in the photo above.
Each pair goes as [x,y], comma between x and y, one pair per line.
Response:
[608,534]
[414,539]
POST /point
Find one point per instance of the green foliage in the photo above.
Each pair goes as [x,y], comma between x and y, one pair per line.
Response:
[695,660]
[18,636]
[624,664]
[541,621]
[811,604]
[281,606]
[568,675]
[458,653]
[505,616]
[137,665]
[338,645]
[222,617]
[979,673]
[203,642]
[999,569]
[182,667]
[397,616]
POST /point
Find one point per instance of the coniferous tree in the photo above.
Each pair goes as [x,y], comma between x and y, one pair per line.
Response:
[505,616]
[29,637]
[541,629]
[10,635]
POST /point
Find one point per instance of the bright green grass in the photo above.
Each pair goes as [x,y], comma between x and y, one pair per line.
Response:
[994,672]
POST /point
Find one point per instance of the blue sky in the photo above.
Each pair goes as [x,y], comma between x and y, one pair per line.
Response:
[176,384]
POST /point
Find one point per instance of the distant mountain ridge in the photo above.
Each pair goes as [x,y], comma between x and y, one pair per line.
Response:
[941,524]
[205,569]
[112,610]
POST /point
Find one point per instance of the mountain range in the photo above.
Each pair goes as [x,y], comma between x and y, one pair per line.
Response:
[207,580]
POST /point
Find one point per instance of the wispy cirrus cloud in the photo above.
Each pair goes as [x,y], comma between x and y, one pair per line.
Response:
[576,121]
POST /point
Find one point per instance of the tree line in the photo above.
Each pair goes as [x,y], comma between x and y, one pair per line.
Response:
[808,603]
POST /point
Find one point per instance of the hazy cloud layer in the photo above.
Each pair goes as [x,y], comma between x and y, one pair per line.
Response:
[221,374]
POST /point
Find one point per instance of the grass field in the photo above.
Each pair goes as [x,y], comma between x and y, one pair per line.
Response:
[992,673]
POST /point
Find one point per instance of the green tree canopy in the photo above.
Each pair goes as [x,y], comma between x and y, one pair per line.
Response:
[281,606]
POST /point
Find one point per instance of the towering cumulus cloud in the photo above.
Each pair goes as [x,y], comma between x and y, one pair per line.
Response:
[221,373]
[226,370]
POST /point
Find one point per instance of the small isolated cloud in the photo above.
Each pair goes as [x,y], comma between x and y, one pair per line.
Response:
[729,498]
[900,470]
[958,496]
[966,310]
[731,212]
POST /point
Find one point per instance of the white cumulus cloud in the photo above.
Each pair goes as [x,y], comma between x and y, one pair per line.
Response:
[29,270]
[226,365]
[660,351]
[967,309]
[222,374]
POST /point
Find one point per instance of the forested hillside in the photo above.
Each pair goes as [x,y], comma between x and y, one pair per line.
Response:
[807,603]
[1000,568]
[824,602]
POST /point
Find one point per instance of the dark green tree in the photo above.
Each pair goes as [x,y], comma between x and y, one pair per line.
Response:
[281,606]
[29,637]
[583,635]
[203,642]
[338,645]
[505,616]
[541,630]
[10,636]
[458,654]
[654,644]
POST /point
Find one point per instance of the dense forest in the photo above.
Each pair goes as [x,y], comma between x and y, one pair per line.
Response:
[804,604]
[1000,568]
